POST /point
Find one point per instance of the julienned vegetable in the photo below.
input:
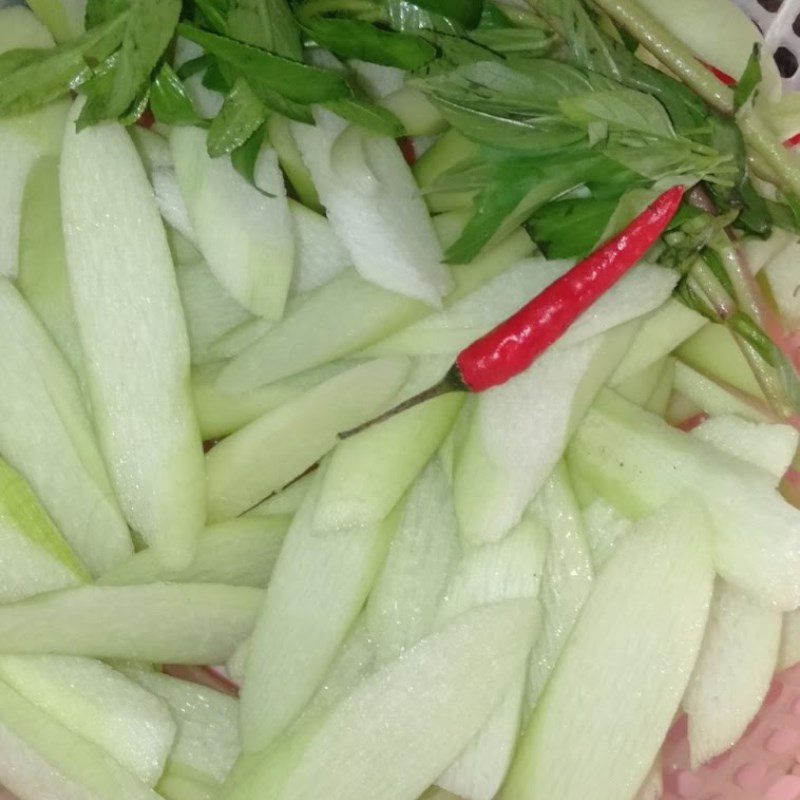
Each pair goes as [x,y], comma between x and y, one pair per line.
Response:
[506,593]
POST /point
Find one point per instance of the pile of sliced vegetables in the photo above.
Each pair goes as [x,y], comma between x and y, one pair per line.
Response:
[398,400]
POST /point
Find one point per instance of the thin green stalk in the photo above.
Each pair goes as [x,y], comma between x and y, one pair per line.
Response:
[670,51]
[781,160]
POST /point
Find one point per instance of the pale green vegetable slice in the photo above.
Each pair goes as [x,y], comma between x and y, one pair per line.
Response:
[368,473]
[293,644]
[286,501]
[355,660]
[640,387]
[46,434]
[420,117]
[64,18]
[661,333]
[271,451]
[42,279]
[789,654]
[348,314]
[180,782]
[101,705]
[23,138]
[402,725]
[134,338]
[638,462]
[715,398]
[767,445]
[506,570]
[733,672]
[659,400]
[169,198]
[377,80]
[245,235]
[637,636]
[374,207]
[605,528]
[713,351]
[279,131]
[319,253]
[165,623]
[39,757]
[336,319]
[567,580]
[220,412]
[781,274]
[403,604]
[210,311]
[35,557]
[239,552]
[207,723]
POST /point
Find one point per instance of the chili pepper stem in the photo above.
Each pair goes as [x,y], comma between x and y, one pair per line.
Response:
[451,382]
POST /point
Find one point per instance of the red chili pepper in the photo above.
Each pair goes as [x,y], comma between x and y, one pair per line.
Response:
[146,119]
[728,80]
[515,343]
[792,140]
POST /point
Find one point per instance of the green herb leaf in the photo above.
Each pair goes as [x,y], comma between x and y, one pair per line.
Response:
[620,109]
[242,114]
[245,158]
[99,12]
[169,100]
[750,79]
[571,228]
[410,18]
[374,118]
[268,24]
[214,78]
[29,79]
[352,38]
[467,12]
[214,13]
[492,18]
[149,27]
[194,66]
[298,82]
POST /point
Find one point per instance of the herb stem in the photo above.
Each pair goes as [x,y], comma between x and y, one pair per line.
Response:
[670,51]
[780,160]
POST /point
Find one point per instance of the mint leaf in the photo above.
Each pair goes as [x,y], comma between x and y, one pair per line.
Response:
[570,228]
[169,100]
[242,114]
[149,27]
[29,79]
[374,118]
[466,12]
[352,38]
[265,23]
[295,81]
[750,79]
[620,109]
[245,158]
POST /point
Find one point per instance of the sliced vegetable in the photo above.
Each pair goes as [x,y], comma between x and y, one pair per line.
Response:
[124,291]
[240,552]
[293,644]
[271,451]
[207,733]
[46,434]
[733,672]
[244,235]
[36,558]
[39,757]
[403,605]
[101,705]
[161,622]
[42,278]
[374,207]
[641,627]
[367,474]
[638,462]
[319,254]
